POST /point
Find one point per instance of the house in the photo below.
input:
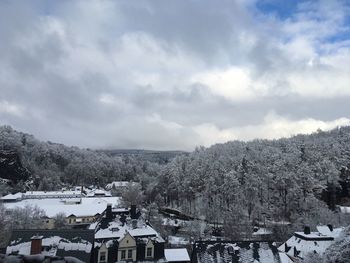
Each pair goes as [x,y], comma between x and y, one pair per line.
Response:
[177,255]
[302,243]
[235,252]
[81,219]
[118,187]
[47,222]
[51,194]
[79,211]
[61,243]
[11,198]
[121,236]
[98,193]
[343,209]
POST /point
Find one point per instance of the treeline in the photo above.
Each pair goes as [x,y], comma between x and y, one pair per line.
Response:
[295,181]
[53,165]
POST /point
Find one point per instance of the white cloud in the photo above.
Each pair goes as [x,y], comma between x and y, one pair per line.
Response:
[273,126]
[234,83]
[10,108]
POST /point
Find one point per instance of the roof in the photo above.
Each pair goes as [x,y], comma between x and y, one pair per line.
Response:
[325,230]
[344,209]
[62,243]
[176,254]
[33,194]
[37,259]
[118,225]
[117,184]
[301,244]
[89,206]
[235,252]
[115,229]
[97,192]
[12,196]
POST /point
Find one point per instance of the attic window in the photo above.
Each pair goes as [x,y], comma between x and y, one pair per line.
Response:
[149,252]
[102,258]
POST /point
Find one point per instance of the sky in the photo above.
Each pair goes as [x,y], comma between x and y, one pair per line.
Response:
[173,75]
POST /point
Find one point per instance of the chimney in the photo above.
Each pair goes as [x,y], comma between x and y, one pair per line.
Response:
[134,223]
[133,212]
[330,227]
[36,245]
[307,230]
[109,211]
[123,219]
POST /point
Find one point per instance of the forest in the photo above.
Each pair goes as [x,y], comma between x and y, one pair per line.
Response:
[283,184]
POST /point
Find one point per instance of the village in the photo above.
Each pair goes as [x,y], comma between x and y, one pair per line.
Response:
[99,227]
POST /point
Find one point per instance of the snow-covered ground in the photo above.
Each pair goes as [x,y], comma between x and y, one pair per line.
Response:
[53,206]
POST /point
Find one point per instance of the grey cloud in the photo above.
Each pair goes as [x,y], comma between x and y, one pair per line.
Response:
[68,109]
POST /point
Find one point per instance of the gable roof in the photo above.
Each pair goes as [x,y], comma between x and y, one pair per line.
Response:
[62,243]
[300,243]
[235,252]
[115,229]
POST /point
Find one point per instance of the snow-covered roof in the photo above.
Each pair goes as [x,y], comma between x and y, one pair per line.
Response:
[89,206]
[235,252]
[38,259]
[115,229]
[117,184]
[344,209]
[284,258]
[50,194]
[77,243]
[175,240]
[262,231]
[16,196]
[97,192]
[326,231]
[317,242]
[176,254]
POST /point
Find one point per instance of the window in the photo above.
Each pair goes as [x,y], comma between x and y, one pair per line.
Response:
[149,252]
[102,258]
[130,253]
[123,254]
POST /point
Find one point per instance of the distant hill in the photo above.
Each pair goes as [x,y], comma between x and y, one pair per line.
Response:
[161,157]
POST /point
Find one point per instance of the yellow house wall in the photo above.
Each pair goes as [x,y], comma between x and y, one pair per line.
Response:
[128,242]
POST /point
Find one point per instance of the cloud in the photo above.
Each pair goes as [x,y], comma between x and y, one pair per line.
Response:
[273,126]
[11,109]
[172,75]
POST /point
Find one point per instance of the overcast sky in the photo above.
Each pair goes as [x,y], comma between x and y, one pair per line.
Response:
[173,74]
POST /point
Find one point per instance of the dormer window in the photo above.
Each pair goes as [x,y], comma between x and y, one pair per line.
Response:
[149,252]
[103,254]
[102,258]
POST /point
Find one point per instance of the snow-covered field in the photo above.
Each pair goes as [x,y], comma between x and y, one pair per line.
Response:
[53,206]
